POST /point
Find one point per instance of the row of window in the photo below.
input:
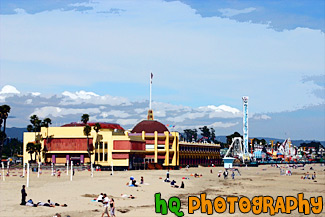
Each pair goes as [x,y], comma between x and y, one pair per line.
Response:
[195,148]
[101,145]
[99,157]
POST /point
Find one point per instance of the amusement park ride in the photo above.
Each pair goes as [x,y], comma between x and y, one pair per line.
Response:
[239,146]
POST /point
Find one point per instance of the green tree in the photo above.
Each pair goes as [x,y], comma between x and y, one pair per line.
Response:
[12,147]
[30,128]
[4,113]
[87,130]
[37,150]
[205,132]
[97,128]
[230,137]
[46,123]
[190,135]
[195,134]
[30,148]
[213,135]
[85,118]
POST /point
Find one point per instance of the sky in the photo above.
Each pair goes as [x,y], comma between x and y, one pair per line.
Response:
[60,59]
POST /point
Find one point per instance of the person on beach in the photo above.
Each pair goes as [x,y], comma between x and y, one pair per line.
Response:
[23,196]
[182,185]
[233,175]
[73,172]
[112,205]
[51,204]
[313,176]
[106,205]
[59,173]
[142,180]
[100,198]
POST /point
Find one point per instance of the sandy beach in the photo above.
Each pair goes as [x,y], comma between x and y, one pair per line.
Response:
[78,194]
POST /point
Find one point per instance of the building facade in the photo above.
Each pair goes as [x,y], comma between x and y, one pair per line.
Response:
[148,145]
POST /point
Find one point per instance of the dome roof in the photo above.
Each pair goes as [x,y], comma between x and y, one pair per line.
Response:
[149,126]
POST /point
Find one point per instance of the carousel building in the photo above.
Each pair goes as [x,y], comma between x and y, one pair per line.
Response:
[148,145]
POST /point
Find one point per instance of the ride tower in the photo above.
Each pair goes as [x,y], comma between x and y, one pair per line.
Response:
[245,126]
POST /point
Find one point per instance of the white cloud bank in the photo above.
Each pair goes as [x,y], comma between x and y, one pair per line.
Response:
[223,118]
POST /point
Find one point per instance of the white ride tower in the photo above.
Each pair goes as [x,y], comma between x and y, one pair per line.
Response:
[239,145]
[245,128]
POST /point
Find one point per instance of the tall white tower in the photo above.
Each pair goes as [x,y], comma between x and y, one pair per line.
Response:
[245,124]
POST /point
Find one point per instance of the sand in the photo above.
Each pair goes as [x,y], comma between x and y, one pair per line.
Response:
[263,180]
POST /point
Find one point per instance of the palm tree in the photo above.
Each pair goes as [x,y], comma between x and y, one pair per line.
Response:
[4,112]
[85,118]
[97,127]
[30,128]
[38,148]
[30,148]
[46,122]
[87,130]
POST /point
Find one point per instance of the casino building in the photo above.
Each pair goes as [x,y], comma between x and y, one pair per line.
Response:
[148,145]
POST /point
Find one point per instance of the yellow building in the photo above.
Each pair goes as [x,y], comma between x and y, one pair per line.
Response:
[148,145]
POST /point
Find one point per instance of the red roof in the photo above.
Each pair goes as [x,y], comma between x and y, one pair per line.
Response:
[102,124]
[149,126]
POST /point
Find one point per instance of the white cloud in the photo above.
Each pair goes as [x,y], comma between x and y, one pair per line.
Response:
[8,89]
[160,113]
[91,97]
[183,117]
[36,93]
[61,112]
[222,111]
[261,117]
[229,12]
[222,124]
[29,101]
[115,113]
[124,122]
[79,94]
[140,110]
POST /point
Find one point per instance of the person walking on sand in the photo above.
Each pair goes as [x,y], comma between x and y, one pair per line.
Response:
[112,205]
[23,196]
[233,175]
[106,205]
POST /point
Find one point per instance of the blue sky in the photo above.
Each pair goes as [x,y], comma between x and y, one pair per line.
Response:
[202,53]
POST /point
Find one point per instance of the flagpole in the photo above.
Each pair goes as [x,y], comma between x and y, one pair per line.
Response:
[150,91]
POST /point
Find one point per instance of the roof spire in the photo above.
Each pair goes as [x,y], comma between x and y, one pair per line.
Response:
[150,114]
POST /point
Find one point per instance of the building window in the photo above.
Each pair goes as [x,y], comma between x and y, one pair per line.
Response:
[100,157]
[96,157]
[105,146]
[101,145]
[105,156]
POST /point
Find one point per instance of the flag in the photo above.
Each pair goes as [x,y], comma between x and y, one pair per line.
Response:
[151,76]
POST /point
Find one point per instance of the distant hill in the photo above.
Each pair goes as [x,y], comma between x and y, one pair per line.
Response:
[15,132]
